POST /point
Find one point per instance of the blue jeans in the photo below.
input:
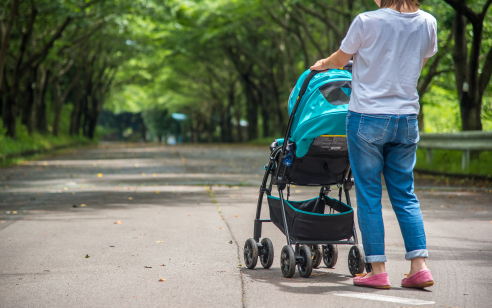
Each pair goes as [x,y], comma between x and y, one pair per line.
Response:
[383,143]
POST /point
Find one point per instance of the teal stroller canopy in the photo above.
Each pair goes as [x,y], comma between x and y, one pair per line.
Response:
[322,109]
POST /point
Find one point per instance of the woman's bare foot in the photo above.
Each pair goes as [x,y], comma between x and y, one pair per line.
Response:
[377,268]
[417,264]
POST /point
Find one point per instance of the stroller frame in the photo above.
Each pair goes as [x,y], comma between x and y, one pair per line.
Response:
[307,253]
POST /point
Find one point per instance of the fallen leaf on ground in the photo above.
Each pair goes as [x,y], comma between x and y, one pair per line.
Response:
[162,264]
[3,221]
[74,205]
[130,198]
[162,279]
[230,242]
[87,256]
[158,241]
[223,228]
[153,174]
[83,205]
[143,233]
[236,216]
[148,266]
[143,174]
[14,212]
[99,175]
[156,191]
[189,215]
[451,197]
[117,222]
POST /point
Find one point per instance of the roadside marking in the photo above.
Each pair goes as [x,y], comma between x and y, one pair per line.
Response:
[382,298]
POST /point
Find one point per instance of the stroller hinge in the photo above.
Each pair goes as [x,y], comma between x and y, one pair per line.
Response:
[266,189]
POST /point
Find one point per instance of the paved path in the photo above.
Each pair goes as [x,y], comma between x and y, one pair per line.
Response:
[100,227]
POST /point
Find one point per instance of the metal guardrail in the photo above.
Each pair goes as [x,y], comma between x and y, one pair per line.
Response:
[462,141]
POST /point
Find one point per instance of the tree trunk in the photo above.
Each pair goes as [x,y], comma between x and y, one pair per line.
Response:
[5,38]
[76,112]
[28,108]
[93,114]
[41,123]
[9,115]
[55,87]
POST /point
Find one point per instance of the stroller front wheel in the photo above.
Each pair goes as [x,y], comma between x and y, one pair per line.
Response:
[305,265]
[250,253]
[288,261]
[330,255]
[266,257]
[317,255]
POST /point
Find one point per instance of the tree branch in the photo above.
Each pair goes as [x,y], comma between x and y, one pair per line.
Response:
[485,8]
[463,9]
[39,56]
[325,20]
[331,8]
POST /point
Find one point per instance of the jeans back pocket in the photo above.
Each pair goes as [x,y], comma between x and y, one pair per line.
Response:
[372,127]
[413,129]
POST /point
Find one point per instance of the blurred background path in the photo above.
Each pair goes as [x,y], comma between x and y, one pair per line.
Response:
[138,225]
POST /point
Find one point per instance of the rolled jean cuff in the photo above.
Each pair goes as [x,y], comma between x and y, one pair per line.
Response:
[372,259]
[419,253]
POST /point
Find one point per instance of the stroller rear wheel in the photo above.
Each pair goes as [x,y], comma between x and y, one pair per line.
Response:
[305,265]
[356,258]
[316,255]
[266,257]
[250,253]
[288,261]
[330,255]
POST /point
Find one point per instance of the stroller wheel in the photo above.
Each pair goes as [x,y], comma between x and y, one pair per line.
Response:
[356,262]
[368,267]
[330,255]
[288,261]
[305,265]
[250,253]
[266,257]
[316,255]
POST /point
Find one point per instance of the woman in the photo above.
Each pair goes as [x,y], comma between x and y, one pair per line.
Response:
[389,46]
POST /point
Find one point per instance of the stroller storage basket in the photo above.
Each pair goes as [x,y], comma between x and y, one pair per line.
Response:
[307,221]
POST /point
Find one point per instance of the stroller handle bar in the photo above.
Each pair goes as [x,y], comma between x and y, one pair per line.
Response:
[299,97]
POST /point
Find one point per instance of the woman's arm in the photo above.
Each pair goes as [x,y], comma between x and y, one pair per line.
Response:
[336,60]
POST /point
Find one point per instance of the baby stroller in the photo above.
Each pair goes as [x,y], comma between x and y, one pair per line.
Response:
[313,153]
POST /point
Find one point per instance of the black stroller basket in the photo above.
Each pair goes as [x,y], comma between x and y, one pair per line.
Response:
[313,226]
[307,221]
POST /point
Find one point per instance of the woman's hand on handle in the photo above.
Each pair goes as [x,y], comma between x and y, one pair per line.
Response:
[336,60]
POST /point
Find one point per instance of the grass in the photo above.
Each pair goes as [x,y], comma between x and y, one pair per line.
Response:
[450,162]
[14,151]
[37,142]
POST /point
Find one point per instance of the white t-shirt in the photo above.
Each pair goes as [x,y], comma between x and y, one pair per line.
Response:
[389,49]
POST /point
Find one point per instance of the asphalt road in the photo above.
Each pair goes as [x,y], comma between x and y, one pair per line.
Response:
[125,225]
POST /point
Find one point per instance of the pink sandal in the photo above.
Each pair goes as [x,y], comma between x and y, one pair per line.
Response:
[419,280]
[379,281]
